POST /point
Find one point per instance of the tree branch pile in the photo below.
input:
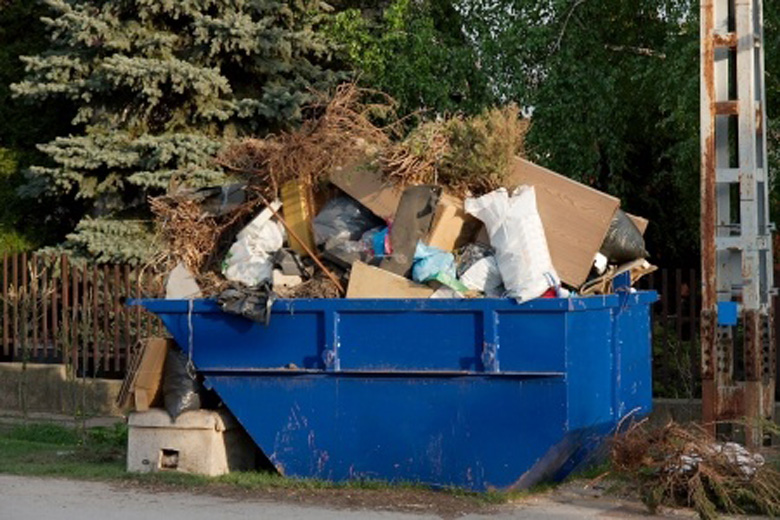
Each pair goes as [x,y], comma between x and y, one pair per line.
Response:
[685,466]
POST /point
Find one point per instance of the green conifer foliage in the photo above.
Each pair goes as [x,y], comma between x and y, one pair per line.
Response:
[159,85]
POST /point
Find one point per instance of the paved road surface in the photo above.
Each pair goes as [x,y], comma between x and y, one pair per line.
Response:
[26,498]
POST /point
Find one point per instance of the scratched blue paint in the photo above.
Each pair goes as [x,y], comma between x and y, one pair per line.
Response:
[478,394]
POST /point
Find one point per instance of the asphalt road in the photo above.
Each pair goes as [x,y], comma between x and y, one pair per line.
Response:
[28,498]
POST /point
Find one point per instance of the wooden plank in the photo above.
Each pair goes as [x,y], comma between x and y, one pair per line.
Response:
[24,332]
[85,320]
[75,322]
[576,218]
[15,285]
[47,353]
[108,351]
[138,310]
[96,350]
[665,307]
[128,317]
[65,266]
[117,317]
[692,323]
[678,305]
[34,301]
[6,338]
[56,344]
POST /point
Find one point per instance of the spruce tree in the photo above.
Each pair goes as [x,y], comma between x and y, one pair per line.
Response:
[159,86]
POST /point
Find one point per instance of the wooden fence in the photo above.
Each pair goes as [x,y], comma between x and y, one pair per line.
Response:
[676,348]
[54,311]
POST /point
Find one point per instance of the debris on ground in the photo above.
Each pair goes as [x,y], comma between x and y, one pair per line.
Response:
[345,206]
[677,465]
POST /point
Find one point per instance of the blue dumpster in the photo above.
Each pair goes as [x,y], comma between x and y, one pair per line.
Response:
[478,394]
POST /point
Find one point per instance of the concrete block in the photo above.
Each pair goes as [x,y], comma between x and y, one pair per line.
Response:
[47,388]
[204,442]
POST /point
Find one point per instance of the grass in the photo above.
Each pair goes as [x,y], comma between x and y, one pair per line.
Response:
[49,450]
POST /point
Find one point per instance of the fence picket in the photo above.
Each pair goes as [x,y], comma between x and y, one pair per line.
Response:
[6,335]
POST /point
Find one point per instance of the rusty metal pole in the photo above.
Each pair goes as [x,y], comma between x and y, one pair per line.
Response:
[737,278]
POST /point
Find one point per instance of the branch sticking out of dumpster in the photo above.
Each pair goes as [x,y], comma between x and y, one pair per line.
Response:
[338,131]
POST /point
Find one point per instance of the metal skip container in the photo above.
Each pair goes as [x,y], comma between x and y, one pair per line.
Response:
[478,394]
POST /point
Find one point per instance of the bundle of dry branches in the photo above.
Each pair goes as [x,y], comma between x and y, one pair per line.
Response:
[191,234]
[340,131]
[465,155]
[686,466]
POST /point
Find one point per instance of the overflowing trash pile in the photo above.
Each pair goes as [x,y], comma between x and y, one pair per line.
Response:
[342,207]
[678,465]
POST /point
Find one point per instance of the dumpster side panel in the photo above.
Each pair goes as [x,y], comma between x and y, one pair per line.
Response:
[633,372]
[413,340]
[221,340]
[589,368]
[531,341]
[472,432]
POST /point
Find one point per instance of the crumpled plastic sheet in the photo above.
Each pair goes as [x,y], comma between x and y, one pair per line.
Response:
[253,303]
[736,454]
[343,218]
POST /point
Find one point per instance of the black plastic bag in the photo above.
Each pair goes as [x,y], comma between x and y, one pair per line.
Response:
[624,242]
[253,303]
[180,390]
[343,218]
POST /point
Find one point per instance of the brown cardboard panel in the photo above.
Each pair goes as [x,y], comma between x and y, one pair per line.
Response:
[366,281]
[297,212]
[365,184]
[575,217]
[640,223]
[452,227]
[147,384]
[412,223]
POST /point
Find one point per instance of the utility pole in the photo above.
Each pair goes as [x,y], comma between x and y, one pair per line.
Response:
[737,345]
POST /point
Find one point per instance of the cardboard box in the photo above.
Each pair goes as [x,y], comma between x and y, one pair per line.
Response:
[640,223]
[146,386]
[452,227]
[364,183]
[575,217]
[366,281]
[297,212]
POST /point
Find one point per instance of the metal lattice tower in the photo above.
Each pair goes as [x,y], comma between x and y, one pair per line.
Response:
[738,351]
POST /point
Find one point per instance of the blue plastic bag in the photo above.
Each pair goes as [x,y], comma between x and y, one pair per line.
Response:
[430,262]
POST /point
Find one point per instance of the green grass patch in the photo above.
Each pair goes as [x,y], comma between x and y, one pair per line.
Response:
[100,454]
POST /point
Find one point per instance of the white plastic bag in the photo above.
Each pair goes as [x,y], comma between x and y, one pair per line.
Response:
[250,258]
[484,276]
[517,235]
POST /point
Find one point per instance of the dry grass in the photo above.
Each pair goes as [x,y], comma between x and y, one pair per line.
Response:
[465,155]
[685,466]
[195,237]
[341,130]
